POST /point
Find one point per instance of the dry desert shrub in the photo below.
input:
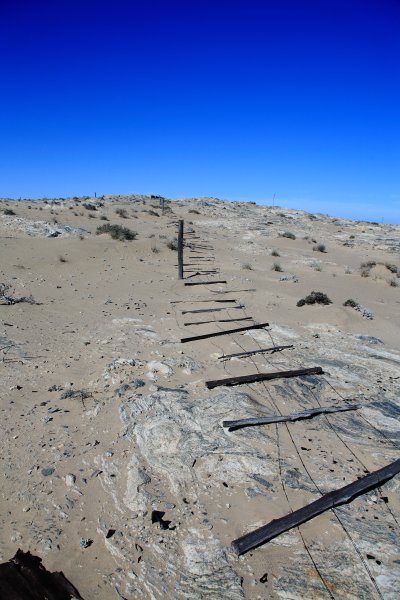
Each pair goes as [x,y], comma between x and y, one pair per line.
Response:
[288,234]
[172,244]
[314,298]
[277,267]
[117,232]
[122,213]
[320,248]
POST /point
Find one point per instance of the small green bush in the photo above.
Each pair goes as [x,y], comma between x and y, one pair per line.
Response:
[122,213]
[288,234]
[392,268]
[319,248]
[275,253]
[172,244]
[350,302]
[314,298]
[89,206]
[117,232]
[277,267]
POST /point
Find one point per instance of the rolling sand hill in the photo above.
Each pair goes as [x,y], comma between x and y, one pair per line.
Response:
[115,465]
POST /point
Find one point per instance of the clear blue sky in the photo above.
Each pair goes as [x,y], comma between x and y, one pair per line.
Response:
[226,98]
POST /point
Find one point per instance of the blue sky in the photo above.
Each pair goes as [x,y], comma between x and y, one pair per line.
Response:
[232,99]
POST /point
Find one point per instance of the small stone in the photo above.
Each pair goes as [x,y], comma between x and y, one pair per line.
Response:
[47,471]
[109,453]
[169,505]
[85,542]
[70,479]
[137,383]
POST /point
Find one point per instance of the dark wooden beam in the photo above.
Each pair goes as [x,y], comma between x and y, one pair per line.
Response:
[263,377]
[305,414]
[204,282]
[205,300]
[180,249]
[331,500]
[218,333]
[209,310]
[220,321]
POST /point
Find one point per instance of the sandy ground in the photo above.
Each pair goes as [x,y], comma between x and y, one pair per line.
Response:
[146,434]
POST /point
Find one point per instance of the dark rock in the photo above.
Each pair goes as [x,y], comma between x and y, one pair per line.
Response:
[47,471]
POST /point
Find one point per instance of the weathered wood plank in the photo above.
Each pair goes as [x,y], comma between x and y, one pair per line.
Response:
[227,332]
[180,249]
[205,300]
[263,377]
[204,282]
[209,310]
[305,414]
[220,321]
[331,500]
[272,349]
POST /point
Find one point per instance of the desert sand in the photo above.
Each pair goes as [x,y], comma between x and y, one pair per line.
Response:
[107,424]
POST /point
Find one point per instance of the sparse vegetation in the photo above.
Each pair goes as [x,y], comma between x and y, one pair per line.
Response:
[247,267]
[319,248]
[89,206]
[80,394]
[365,268]
[9,212]
[314,298]
[103,218]
[122,213]
[62,259]
[277,267]
[392,268]
[275,253]
[117,232]
[172,244]
[350,302]
[288,234]
[393,282]
[365,312]
[155,249]
[193,211]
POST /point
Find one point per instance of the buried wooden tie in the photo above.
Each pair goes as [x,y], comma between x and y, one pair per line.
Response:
[263,377]
[305,414]
[261,351]
[227,332]
[331,500]
[205,300]
[220,321]
[208,310]
[204,282]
